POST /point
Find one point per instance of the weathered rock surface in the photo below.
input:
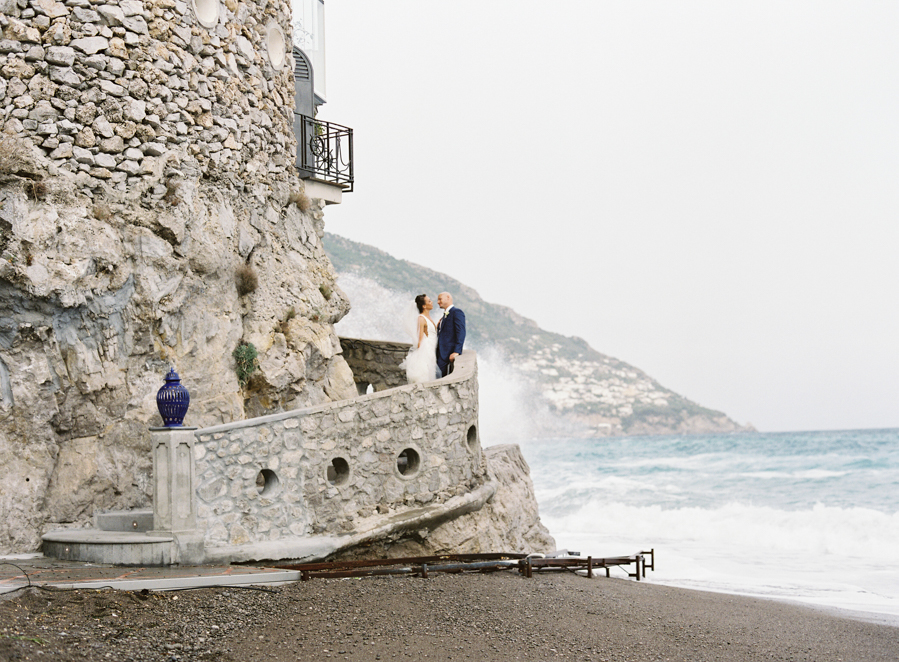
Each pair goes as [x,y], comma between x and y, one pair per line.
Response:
[145,162]
[95,311]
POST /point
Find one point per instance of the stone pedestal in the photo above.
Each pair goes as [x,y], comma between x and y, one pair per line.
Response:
[174,492]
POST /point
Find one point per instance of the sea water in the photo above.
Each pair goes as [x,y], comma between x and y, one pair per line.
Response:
[802,516]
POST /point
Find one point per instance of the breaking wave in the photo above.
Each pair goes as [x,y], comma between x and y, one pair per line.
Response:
[510,408]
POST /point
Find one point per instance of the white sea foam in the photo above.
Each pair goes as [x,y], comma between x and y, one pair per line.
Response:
[813,474]
[829,556]
[376,313]
[775,516]
[822,530]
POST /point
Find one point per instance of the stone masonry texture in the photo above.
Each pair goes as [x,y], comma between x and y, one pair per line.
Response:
[437,421]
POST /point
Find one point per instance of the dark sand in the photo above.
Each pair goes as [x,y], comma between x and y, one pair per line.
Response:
[493,617]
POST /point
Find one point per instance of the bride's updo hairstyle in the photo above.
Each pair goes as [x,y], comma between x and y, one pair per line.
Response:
[420,302]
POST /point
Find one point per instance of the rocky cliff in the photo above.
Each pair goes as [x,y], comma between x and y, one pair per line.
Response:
[96,310]
[599,394]
[150,216]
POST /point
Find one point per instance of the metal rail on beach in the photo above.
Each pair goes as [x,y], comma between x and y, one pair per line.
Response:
[421,566]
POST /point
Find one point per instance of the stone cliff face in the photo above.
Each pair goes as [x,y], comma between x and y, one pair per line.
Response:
[150,216]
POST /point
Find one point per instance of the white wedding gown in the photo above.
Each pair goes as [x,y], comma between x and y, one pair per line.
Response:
[421,362]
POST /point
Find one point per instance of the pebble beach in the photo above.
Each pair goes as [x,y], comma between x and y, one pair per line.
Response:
[492,617]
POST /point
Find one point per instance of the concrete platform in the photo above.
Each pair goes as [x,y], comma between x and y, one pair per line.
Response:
[17,571]
[114,547]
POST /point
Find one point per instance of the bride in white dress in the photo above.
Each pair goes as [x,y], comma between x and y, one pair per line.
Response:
[421,362]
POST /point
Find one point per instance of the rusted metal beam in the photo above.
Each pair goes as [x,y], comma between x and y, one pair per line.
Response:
[652,562]
[456,563]
[410,560]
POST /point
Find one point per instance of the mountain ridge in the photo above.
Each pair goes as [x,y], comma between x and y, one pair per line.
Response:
[598,392]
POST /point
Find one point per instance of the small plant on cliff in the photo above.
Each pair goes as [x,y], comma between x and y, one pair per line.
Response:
[245,361]
[301,200]
[246,279]
[285,321]
[36,189]
[102,212]
[326,291]
[171,193]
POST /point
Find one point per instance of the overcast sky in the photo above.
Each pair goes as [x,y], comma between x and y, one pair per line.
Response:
[706,190]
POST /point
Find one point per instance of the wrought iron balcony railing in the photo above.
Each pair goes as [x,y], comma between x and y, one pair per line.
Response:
[324,151]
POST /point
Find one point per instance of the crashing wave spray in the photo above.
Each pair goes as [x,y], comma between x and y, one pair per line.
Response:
[511,409]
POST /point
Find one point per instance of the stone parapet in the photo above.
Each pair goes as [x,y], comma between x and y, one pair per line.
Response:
[322,470]
[400,471]
[375,363]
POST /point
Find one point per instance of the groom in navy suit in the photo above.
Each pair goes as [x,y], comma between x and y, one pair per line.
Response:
[450,334]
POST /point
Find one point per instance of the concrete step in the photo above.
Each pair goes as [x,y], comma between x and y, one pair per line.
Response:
[113,547]
[132,521]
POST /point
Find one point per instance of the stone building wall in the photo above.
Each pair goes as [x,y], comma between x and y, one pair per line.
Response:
[150,216]
[325,469]
[109,89]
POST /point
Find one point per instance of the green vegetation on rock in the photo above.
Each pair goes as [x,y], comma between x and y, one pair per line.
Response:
[245,361]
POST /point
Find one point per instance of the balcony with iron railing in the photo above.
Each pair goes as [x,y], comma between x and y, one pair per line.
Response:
[324,152]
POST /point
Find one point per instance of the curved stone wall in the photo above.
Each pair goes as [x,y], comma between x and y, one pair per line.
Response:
[331,468]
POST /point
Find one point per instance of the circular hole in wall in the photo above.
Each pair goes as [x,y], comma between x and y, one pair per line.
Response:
[408,462]
[276,46]
[472,439]
[267,482]
[338,471]
[207,12]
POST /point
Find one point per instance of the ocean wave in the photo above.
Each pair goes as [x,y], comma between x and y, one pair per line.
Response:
[811,517]
[852,533]
[809,474]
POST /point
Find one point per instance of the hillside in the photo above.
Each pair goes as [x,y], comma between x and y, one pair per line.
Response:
[576,382]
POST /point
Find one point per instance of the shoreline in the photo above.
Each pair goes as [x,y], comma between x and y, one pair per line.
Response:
[492,617]
[874,617]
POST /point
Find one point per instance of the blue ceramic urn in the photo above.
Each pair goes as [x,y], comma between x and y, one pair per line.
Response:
[172,400]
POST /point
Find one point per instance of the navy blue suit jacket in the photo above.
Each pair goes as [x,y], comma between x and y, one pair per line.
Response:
[450,336]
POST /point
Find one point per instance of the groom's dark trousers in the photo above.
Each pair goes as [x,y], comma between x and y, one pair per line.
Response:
[450,338]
